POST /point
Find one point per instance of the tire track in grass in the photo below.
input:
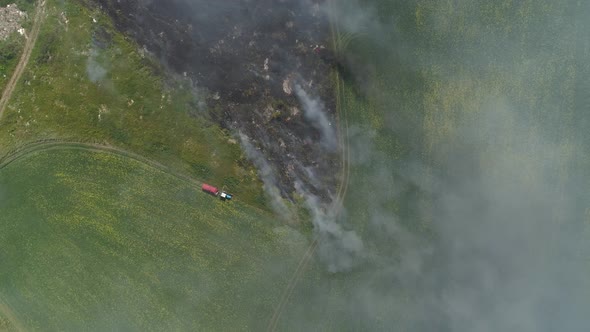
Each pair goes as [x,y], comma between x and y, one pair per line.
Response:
[10,316]
[48,145]
[338,202]
[41,146]
[24,59]
[306,258]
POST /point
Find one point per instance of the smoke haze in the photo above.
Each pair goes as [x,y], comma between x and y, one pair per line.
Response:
[339,249]
[467,209]
[483,224]
[268,177]
[95,71]
[315,113]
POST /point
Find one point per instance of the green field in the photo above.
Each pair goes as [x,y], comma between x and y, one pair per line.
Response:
[474,80]
[87,82]
[10,50]
[467,122]
[468,126]
[97,241]
[120,236]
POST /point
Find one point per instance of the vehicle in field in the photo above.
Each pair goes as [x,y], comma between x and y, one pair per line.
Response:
[209,189]
[225,196]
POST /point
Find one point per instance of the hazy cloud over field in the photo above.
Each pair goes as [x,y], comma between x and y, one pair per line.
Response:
[509,252]
[484,227]
[353,20]
[508,255]
[509,235]
[96,72]
[339,249]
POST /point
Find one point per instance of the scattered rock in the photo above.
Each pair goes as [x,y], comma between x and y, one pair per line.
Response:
[10,20]
[287,86]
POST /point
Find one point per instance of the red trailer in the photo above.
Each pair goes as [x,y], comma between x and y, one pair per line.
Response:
[210,189]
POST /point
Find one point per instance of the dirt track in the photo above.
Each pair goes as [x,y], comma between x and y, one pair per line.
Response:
[6,94]
[41,146]
[24,59]
[28,149]
[8,314]
[48,145]
[336,204]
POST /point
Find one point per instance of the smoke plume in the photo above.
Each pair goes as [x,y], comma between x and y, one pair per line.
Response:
[484,227]
[468,204]
[340,249]
[96,72]
[315,113]
[268,177]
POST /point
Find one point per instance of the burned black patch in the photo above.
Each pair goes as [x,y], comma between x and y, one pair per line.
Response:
[248,54]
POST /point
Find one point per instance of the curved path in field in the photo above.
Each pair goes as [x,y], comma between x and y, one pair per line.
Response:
[47,145]
[24,59]
[40,146]
[337,204]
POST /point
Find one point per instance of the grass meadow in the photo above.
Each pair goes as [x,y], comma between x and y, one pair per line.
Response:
[441,92]
[86,82]
[97,241]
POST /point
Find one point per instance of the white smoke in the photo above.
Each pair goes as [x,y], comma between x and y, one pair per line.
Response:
[341,250]
[95,71]
[268,177]
[351,20]
[314,111]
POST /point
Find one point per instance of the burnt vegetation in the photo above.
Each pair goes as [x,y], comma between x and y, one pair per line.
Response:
[247,55]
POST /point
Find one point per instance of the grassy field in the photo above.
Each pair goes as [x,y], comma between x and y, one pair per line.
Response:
[472,101]
[453,76]
[448,92]
[87,82]
[10,51]
[98,241]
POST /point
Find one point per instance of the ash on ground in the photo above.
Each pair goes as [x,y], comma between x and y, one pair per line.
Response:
[10,21]
[252,56]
